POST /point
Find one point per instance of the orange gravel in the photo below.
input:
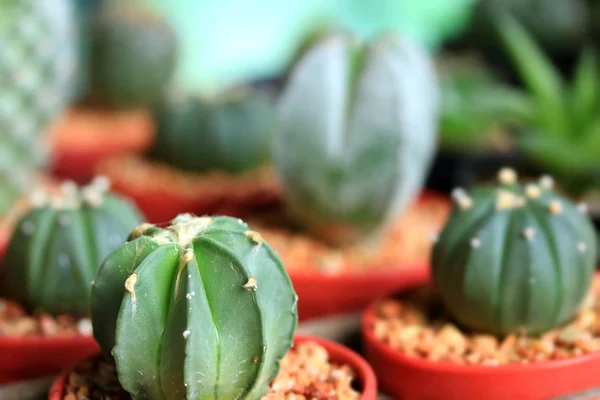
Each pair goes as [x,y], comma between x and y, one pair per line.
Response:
[306,373]
[15,322]
[418,327]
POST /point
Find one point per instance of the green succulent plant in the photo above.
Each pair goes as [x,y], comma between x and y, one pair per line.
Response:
[201,309]
[356,133]
[231,132]
[58,245]
[562,124]
[37,61]
[514,258]
[132,56]
[476,105]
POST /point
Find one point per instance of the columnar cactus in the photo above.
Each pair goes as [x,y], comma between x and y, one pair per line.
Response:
[37,62]
[231,132]
[133,54]
[514,258]
[200,309]
[57,247]
[356,133]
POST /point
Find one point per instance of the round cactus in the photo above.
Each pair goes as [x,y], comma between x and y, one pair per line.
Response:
[57,247]
[514,258]
[133,54]
[200,309]
[356,133]
[230,133]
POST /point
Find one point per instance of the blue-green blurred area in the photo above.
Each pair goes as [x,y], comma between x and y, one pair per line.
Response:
[231,41]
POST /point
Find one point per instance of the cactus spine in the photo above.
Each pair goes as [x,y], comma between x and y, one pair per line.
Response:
[200,309]
[514,258]
[57,247]
[356,134]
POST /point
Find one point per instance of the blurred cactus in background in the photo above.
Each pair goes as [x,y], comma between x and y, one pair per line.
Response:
[230,133]
[355,135]
[37,68]
[132,56]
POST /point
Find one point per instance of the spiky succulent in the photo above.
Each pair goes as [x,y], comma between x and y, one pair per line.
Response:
[37,61]
[356,133]
[57,246]
[201,309]
[514,258]
[230,132]
[132,56]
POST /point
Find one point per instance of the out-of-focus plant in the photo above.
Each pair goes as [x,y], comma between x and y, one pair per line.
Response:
[478,109]
[562,131]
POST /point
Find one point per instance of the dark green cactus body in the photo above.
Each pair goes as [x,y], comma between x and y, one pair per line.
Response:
[133,54]
[231,133]
[514,259]
[57,247]
[356,133]
[200,310]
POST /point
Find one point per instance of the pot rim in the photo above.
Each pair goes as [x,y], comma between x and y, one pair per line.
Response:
[337,353]
[398,357]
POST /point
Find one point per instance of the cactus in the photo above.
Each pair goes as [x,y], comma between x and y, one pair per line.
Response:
[356,134]
[57,246]
[133,54]
[200,309]
[37,60]
[231,132]
[514,258]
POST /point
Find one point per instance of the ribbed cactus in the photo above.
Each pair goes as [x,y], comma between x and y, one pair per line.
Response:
[356,133]
[514,258]
[202,309]
[132,56]
[37,61]
[231,132]
[57,247]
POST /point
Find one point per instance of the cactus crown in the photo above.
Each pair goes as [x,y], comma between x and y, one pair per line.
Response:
[513,257]
[355,134]
[201,308]
[58,245]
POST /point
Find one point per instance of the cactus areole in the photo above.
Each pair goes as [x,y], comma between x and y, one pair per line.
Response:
[57,247]
[356,133]
[202,309]
[514,258]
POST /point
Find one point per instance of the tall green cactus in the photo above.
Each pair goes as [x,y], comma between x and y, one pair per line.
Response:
[57,247]
[231,132]
[37,61]
[514,258]
[356,133]
[202,309]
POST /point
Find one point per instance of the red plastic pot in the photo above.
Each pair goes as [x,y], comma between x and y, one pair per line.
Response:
[409,378]
[84,138]
[337,353]
[35,357]
[321,295]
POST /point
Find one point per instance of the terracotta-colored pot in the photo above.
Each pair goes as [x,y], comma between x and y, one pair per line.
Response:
[162,192]
[83,138]
[321,295]
[35,357]
[410,378]
[337,353]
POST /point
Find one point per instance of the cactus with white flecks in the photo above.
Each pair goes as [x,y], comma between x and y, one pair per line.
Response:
[200,309]
[58,245]
[514,258]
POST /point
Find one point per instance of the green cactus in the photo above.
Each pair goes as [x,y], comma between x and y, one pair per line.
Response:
[514,258]
[133,54]
[202,309]
[37,61]
[356,133]
[231,132]
[57,247]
